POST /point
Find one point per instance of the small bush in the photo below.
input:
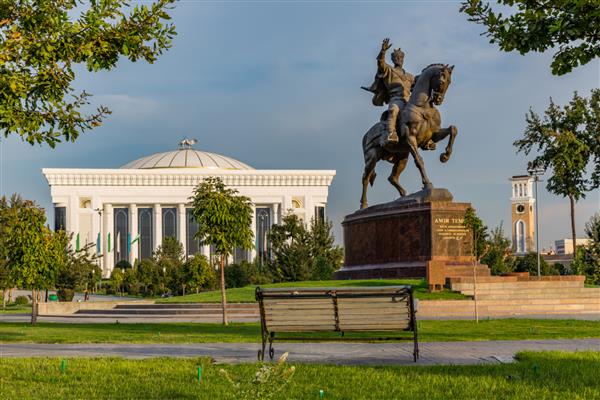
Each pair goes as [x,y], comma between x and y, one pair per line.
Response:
[21,300]
[246,273]
[123,264]
[65,295]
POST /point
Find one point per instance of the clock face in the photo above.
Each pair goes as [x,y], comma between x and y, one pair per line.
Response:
[520,208]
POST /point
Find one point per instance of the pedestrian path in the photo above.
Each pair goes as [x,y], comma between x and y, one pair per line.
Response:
[431,353]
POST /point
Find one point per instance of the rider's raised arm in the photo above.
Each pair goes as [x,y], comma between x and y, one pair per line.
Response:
[381,64]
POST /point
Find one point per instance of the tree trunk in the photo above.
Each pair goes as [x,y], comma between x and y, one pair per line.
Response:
[10,295]
[223,297]
[3,298]
[34,302]
[573,233]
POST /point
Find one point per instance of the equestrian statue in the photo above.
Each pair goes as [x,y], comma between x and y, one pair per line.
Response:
[411,122]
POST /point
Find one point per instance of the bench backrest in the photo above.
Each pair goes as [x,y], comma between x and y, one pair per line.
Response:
[384,308]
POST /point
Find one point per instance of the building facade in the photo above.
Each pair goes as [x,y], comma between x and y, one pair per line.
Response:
[565,246]
[127,212]
[523,214]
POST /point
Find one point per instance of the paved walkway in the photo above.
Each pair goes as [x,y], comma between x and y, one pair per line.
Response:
[432,353]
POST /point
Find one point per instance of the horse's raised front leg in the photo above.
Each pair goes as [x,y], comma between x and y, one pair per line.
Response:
[410,135]
[399,165]
[440,135]
[368,176]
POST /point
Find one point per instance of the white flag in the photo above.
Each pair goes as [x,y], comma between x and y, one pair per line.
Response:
[118,244]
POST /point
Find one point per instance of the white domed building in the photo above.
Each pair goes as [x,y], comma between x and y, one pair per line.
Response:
[126,212]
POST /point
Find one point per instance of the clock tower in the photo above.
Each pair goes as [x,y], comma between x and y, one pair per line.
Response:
[523,222]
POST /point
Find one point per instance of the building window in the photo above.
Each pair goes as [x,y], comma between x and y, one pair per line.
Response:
[263,223]
[192,244]
[60,218]
[520,231]
[169,223]
[320,214]
[146,229]
[240,255]
[121,231]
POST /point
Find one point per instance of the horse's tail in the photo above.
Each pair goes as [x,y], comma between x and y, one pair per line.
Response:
[371,138]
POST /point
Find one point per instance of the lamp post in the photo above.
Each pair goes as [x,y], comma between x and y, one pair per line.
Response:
[536,172]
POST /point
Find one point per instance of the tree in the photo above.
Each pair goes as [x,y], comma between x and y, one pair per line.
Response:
[478,234]
[528,263]
[43,41]
[198,273]
[301,253]
[565,140]
[76,271]
[34,254]
[587,261]
[224,220]
[498,255]
[570,25]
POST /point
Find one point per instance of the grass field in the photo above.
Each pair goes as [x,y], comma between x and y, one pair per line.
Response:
[545,375]
[500,329]
[246,294]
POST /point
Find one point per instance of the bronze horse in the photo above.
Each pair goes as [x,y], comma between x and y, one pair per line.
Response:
[419,127]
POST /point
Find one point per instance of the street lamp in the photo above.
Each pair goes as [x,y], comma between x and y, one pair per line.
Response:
[536,172]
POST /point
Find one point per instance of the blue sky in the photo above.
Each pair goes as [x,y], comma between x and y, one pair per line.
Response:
[277,85]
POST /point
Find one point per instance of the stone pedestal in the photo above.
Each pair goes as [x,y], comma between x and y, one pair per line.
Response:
[417,236]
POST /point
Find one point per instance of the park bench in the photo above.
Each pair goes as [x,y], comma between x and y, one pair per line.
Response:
[356,309]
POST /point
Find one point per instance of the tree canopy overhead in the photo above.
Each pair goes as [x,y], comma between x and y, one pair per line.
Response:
[569,26]
[41,42]
[565,140]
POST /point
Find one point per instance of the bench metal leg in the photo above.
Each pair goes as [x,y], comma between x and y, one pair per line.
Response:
[261,353]
[271,349]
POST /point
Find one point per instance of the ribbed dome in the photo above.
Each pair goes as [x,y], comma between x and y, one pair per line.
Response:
[186,158]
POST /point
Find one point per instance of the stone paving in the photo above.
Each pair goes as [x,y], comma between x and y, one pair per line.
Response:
[432,353]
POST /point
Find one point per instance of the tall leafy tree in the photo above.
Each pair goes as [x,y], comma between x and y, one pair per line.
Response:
[34,254]
[225,219]
[569,26]
[498,255]
[565,140]
[43,41]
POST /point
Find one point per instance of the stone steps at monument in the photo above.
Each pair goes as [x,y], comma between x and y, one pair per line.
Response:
[514,279]
[459,287]
[177,306]
[453,271]
[457,308]
[535,294]
[164,310]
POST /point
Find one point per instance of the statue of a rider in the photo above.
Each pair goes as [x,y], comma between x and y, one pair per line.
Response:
[392,85]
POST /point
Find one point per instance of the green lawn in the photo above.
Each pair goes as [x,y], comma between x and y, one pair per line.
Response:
[500,329]
[16,309]
[246,294]
[545,375]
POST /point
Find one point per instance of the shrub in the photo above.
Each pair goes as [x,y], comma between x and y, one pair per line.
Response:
[246,273]
[21,300]
[528,263]
[123,264]
[65,295]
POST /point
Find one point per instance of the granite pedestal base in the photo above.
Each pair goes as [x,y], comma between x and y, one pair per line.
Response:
[417,236]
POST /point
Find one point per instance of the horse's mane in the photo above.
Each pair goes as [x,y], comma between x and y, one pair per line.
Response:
[433,65]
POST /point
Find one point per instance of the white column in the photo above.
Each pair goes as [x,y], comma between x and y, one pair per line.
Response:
[275,213]
[96,223]
[73,218]
[157,226]
[182,227]
[309,209]
[109,260]
[133,232]
[253,227]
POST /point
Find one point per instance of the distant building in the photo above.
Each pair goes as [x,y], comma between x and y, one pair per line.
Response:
[128,211]
[565,246]
[523,216]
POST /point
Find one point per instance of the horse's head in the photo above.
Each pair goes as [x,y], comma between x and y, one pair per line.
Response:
[439,82]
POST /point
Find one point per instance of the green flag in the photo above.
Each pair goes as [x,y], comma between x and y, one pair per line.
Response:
[108,242]
[77,243]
